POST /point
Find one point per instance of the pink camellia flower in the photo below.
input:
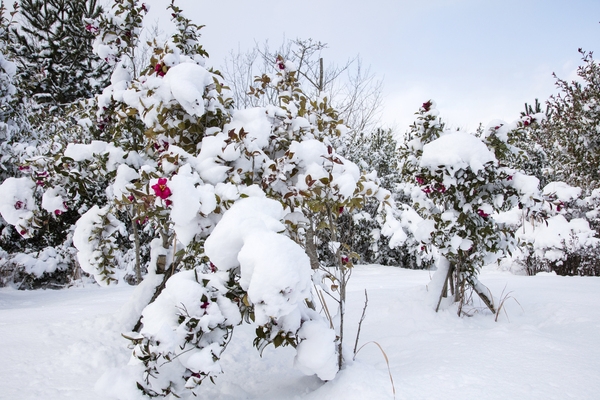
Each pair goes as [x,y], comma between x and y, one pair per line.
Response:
[18,205]
[560,206]
[426,190]
[482,213]
[23,168]
[23,232]
[205,305]
[161,189]
[213,267]
[509,178]
[440,188]
[91,28]
[57,212]
[420,180]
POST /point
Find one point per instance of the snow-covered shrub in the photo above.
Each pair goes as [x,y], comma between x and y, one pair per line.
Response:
[562,241]
[185,331]
[564,142]
[266,180]
[459,188]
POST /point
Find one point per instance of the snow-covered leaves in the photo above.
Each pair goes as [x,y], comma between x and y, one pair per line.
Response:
[96,242]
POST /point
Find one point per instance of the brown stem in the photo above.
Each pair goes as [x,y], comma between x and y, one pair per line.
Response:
[445,287]
[362,317]
[136,241]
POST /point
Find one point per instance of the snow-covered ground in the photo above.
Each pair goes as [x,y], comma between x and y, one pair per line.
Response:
[58,344]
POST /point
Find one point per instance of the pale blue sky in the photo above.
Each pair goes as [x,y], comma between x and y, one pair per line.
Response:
[478,59]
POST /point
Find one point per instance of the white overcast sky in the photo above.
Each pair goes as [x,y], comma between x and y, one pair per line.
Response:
[478,59]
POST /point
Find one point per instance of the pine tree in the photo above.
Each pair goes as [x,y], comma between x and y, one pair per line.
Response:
[53,49]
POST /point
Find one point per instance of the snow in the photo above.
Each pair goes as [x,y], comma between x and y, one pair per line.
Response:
[47,260]
[17,203]
[82,152]
[186,83]
[57,344]
[122,184]
[457,149]
[255,123]
[52,200]
[557,236]
[562,191]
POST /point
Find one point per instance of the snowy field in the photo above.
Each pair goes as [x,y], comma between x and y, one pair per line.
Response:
[59,344]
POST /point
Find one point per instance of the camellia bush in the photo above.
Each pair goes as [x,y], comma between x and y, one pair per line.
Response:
[231,214]
[458,192]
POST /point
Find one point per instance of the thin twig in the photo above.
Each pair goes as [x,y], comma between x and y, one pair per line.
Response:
[325,308]
[362,317]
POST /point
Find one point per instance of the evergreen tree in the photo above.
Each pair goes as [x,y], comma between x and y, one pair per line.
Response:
[375,152]
[53,49]
[570,134]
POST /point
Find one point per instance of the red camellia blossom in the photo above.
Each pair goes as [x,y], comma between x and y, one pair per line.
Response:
[57,212]
[162,146]
[426,190]
[340,210]
[158,68]
[18,205]
[420,180]
[427,106]
[161,189]
[345,259]
[482,213]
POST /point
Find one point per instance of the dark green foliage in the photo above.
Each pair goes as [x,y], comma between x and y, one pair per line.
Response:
[570,135]
[53,50]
